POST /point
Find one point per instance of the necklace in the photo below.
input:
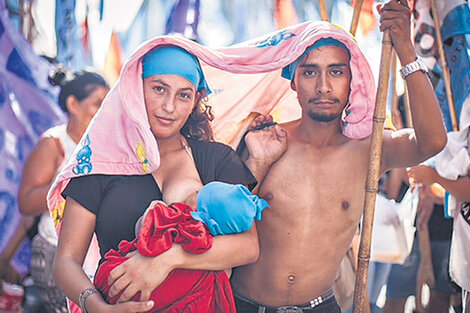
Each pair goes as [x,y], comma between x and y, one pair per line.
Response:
[187,148]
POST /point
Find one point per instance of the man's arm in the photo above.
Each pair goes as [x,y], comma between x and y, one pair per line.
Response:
[409,147]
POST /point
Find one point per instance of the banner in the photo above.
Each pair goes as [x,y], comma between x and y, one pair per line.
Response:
[28,106]
[454,17]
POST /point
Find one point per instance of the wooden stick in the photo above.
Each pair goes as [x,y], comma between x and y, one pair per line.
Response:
[445,69]
[395,111]
[323,11]
[355,20]
[30,22]
[373,176]
[21,13]
[425,270]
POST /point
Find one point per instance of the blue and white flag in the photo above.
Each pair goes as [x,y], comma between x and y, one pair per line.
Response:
[28,107]
[70,50]
[454,16]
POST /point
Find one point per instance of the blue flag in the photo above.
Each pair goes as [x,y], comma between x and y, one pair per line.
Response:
[70,50]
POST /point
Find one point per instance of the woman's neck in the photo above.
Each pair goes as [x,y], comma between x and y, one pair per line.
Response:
[75,130]
[169,145]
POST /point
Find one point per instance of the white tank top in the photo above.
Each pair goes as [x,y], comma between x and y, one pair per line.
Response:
[46,226]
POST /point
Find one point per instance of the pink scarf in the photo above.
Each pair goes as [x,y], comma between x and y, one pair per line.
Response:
[119,139]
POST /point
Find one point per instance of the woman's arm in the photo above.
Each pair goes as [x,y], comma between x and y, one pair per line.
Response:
[39,170]
[77,230]
[142,273]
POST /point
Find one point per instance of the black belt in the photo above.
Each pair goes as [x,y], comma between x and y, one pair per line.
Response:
[306,307]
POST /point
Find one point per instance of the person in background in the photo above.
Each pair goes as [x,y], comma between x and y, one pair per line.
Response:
[81,95]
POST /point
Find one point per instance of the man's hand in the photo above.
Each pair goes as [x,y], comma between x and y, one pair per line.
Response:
[267,144]
[141,273]
[425,208]
[422,174]
[396,17]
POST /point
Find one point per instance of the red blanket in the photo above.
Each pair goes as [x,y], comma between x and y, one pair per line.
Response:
[183,290]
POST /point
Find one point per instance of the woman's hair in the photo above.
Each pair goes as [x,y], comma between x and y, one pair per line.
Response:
[79,84]
[197,126]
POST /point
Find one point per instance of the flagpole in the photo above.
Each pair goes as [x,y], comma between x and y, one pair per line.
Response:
[445,69]
[30,22]
[21,13]
[323,11]
[355,19]
[373,175]
[394,89]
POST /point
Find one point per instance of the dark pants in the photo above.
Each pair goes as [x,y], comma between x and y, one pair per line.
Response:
[247,306]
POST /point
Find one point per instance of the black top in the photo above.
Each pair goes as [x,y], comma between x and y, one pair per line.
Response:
[118,201]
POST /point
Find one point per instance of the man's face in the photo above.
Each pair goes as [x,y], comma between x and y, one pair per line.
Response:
[322,82]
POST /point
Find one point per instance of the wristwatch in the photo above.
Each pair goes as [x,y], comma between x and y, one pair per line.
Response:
[410,68]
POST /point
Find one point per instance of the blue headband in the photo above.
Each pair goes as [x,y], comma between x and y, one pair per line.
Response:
[289,71]
[227,209]
[174,60]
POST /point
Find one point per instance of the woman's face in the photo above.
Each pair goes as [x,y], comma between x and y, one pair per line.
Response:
[169,100]
[86,109]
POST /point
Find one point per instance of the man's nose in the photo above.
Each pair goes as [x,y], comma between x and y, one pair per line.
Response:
[323,84]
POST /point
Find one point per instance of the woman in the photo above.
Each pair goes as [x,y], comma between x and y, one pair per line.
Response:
[80,96]
[159,93]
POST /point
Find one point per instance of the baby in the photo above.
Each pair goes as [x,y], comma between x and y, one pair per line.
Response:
[222,209]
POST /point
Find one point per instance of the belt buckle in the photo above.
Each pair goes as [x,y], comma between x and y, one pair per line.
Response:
[289,309]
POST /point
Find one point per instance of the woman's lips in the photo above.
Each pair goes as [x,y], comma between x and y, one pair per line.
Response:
[165,120]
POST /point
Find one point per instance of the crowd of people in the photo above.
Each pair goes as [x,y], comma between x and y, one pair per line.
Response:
[185,224]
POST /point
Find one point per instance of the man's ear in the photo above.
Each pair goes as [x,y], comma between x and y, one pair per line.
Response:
[292,85]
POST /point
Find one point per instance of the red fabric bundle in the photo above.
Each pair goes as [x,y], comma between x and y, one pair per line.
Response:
[183,290]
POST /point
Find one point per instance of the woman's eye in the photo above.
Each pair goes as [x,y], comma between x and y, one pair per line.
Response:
[185,95]
[158,89]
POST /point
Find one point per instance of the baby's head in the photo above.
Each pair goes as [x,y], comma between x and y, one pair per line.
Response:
[223,208]
[227,208]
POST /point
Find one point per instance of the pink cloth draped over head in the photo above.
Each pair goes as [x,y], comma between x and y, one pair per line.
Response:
[245,77]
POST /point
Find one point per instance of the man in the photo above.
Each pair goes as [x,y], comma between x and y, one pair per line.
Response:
[316,189]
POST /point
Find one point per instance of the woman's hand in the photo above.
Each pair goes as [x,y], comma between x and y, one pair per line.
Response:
[141,273]
[128,307]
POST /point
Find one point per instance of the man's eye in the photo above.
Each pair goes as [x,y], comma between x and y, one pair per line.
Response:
[337,72]
[309,73]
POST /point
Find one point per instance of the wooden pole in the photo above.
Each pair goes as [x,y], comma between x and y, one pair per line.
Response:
[323,11]
[395,111]
[445,69]
[30,22]
[21,13]
[355,20]
[373,176]
[425,270]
